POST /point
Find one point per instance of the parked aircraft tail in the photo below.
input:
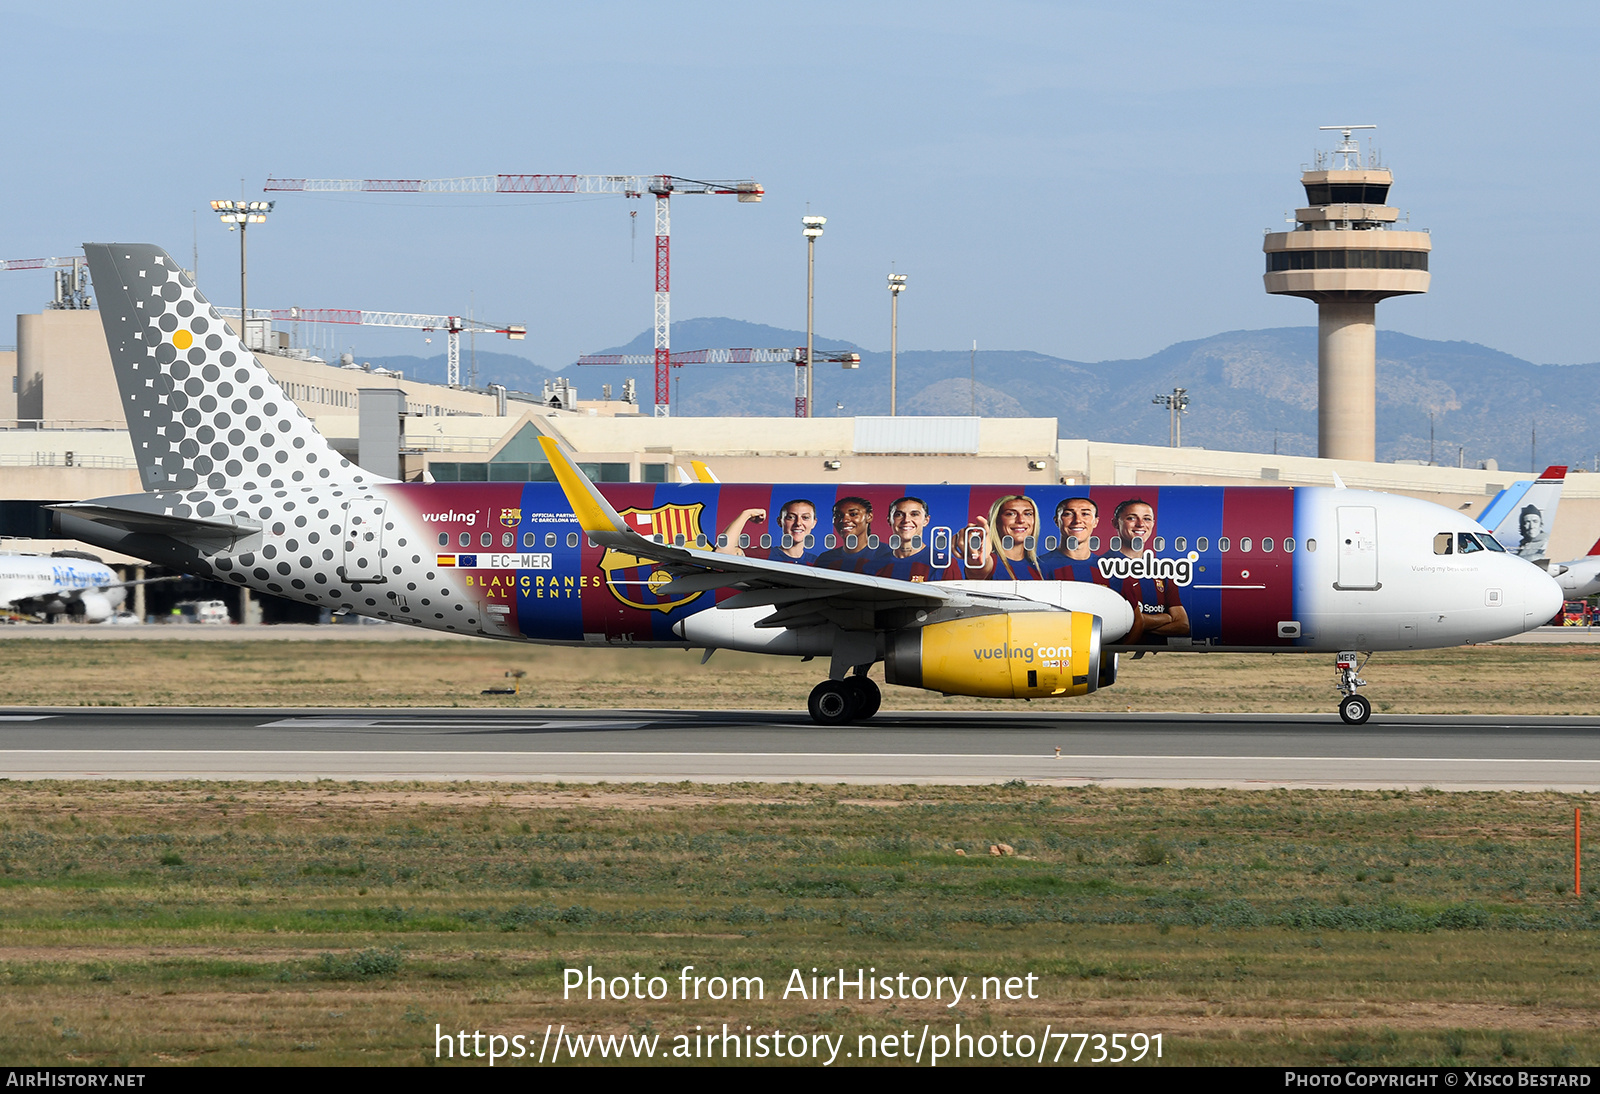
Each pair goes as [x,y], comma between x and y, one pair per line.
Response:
[1522,516]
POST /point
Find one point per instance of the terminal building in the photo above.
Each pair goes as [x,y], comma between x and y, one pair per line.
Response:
[66,440]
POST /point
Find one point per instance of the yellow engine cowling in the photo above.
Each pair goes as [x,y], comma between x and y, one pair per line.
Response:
[1009,655]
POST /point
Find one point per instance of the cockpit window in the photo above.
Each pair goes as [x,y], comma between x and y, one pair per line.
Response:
[1490,542]
[1468,542]
[1443,543]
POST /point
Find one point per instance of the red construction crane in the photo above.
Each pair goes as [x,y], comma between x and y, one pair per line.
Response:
[452,325]
[632,186]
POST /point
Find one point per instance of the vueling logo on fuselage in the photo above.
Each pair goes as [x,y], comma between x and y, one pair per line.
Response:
[1179,571]
[451,517]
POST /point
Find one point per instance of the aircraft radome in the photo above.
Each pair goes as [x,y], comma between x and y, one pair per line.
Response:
[968,590]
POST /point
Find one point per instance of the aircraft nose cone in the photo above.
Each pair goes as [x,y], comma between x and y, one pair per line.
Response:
[1541,597]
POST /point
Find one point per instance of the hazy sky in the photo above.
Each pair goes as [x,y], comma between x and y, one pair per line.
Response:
[1087,180]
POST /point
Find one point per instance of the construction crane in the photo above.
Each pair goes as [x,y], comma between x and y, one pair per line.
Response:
[630,186]
[452,325]
[72,279]
[796,357]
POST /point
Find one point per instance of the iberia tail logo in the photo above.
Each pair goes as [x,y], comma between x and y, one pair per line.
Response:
[637,581]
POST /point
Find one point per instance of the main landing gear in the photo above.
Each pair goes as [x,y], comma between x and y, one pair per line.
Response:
[838,702]
[1354,709]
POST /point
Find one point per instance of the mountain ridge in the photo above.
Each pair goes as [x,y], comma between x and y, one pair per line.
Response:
[1250,390]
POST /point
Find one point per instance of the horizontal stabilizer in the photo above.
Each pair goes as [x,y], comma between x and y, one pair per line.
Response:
[183,529]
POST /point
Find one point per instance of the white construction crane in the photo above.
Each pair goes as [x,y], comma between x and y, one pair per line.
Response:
[72,288]
[632,186]
[452,325]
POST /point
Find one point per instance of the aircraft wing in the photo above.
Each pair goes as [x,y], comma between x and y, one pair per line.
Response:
[799,595]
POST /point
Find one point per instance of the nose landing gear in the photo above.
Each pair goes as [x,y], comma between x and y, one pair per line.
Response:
[1353,709]
[837,702]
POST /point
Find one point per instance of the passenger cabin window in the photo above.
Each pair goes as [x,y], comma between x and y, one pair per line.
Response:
[444,539]
[872,542]
[700,539]
[811,541]
[1223,543]
[1468,543]
[508,539]
[1094,543]
[1311,545]
[549,539]
[850,542]
[1288,544]
[1180,544]
[1159,543]
[1244,544]
[1007,542]
[722,539]
[1116,543]
[1027,544]
[787,541]
[828,541]
[466,539]
[766,541]
[529,539]
[1442,543]
[1266,543]
[1137,543]
[487,539]
[1072,543]
[744,539]
[572,539]
[1050,543]
[1202,544]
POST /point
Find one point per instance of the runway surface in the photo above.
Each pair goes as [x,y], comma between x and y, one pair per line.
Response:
[1455,753]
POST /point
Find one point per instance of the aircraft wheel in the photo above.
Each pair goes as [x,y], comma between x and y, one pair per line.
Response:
[1355,710]
[866,696]
[831,703]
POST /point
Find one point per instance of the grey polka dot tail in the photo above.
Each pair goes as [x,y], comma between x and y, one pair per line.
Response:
[202,411]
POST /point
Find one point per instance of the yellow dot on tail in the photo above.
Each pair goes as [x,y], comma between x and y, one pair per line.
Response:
[182,339]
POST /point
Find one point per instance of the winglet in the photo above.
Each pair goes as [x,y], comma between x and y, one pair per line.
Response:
[702,472]
[1595,550]
[1338,483]
[595,514]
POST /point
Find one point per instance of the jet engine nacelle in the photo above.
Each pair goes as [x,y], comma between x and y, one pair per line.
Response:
[97,607]
[1007,655]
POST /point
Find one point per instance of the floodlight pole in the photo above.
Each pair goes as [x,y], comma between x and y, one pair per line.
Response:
[240,215]
[811,228]
[897,285]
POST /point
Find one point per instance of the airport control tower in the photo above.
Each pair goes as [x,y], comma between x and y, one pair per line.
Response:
[1345,254]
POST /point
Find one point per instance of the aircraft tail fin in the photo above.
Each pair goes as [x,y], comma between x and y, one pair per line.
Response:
[1595,550]
[1522,520]
[202,412]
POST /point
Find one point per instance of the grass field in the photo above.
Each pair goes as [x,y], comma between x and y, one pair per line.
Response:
[338,923]
[1514,679]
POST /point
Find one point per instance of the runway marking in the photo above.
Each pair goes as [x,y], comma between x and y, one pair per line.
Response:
[777,755]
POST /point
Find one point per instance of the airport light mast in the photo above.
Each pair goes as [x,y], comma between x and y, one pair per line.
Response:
[1345,254]
[240,215]
[631,186]
[897,285]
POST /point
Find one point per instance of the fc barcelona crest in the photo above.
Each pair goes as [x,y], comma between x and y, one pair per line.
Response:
[510,517]
[637,582]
